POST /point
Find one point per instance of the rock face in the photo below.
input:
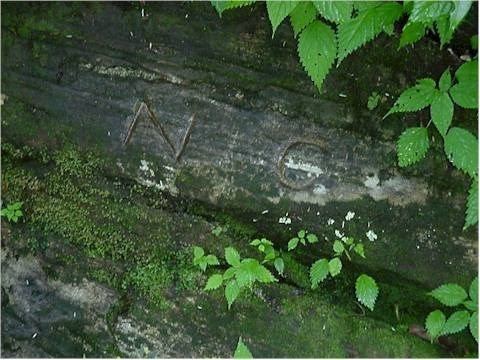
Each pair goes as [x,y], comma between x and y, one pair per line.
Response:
[217,115]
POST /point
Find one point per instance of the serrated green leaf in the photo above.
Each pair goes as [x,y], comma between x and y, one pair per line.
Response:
[232,256]
[335,266]
[441,112]
[317,49]
[411,33]
[445,81]
[362,6]
[229,273]
[279,265]
[255,242]
[312,238]
[465,93]
[359,250]
[474,325]
[203,264]
[456,322]
[250,270]
[470,305]
[232,290]
[214,282]
[449,294]
[318,272]
[279,10]
[242,352]
[222,5]
[336,11]
[301,234]
[412,146]
[434,323]
[444,30]
[197,252]
[461,9]
[302,16]
[261,247]
[415,98]
[212,260]
[366,290]
[292,244]
[338,247]
[461,148]
[429,11]
[473,290]
[266,242]
[365,27]
[471,215]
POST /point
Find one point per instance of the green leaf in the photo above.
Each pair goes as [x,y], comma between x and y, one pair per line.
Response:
[301,234]
[471,217]
[461,9]
[359,250]
[212,260]
[434,323]
[445,81]
[232,256]
[429,11]
[214,282]
[302,16]
[356,32]
[415,98]
[456,322]
[312,238]
[203,264]
[336,11]
[338,247]
[279,10]
[474,325]
[317,49]
[449,294]
[444,30]
[279,265]
[292,244]
[473,290]
[412,32]
[232,290]
[335,266]
[250,270]
[266,242]
[441,112]
[461,149]
[221,5]
[465,93]
[366,290]
[229,273]
[470,305]
[318,272]
[242,352]
[412,146]
[197,252]
[255,242]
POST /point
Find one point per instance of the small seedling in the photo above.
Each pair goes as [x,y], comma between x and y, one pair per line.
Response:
[13,211]
[302,237]
[202,260]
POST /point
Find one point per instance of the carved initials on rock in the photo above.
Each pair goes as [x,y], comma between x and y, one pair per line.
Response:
[158,127]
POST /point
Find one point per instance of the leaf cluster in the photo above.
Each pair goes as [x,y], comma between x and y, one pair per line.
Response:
[202,260]
[460,145]
[13,211]
[453,295]
[302,237]
[270,254]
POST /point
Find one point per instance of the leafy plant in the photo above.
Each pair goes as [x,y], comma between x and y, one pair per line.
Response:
[373,100]
[217,230]
[271,255]
[459,144]
[13,211]
[302,237]
[242,351]
[242,274]
[366,290]
[453,295]
[202,260]
[331,30]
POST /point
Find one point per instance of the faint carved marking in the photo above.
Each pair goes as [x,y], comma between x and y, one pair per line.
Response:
[158,127]
[281,162]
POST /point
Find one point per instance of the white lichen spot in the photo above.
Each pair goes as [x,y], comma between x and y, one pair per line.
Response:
[329,221]
[350,215]
[319,189]
[371,235]
[339,234]
[372,181]
[285,220]
[264,212]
